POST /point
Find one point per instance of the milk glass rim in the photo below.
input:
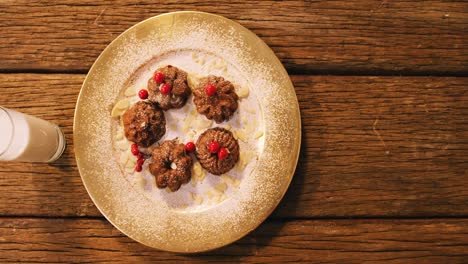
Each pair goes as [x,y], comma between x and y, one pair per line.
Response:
[12,132]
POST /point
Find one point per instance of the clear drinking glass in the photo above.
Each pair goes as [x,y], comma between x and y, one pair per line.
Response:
[28,138]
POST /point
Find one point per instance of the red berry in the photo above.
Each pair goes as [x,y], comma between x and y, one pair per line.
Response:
[190,147]
[140,156]
[140,162]
[165,88]
[143,94]
[210,90]
[135,149]
[223,153]
[138,168]
[159,77]
[214,147]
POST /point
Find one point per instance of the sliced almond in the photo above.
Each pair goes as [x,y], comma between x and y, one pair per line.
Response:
[173,166]
[210,194]
[227,179]
[123,158]
[197,173]
[202,123]
[197,168]
[241,135]
[221,187]
[258,134]
[192,79]
[131,163]
[216,192]
[245,158]
[122,144]
[221,198]
[243,91]
[118,135]
[130,91]
[201,60]
[120,107]
[185,128]
[139,180]
[194,55]
[129,170]
[236,183]
[199,199]
[250,110]
[202,175]
[190,135]
[122,104]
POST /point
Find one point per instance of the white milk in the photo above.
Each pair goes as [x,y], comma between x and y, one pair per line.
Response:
[28,138]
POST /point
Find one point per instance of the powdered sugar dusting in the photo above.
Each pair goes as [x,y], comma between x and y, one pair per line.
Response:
[129,200]
[205,190]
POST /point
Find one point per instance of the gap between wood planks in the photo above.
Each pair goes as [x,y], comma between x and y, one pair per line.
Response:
[290,72]
[271,218]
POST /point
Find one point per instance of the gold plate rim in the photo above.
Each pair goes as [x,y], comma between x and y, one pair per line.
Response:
[293,105]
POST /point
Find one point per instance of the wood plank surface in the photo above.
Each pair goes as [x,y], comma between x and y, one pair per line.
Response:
[308,241]
[372,147]
[371,37]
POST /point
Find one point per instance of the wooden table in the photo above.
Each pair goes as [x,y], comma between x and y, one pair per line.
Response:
[383,91]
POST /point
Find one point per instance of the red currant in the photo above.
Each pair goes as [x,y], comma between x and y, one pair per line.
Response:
[159,77]
[210,90]
[140,162]
[165,88]
[190,147]
[143,94]
[134,149]
[138,168]
[214,147]
[140,156]
[223,153]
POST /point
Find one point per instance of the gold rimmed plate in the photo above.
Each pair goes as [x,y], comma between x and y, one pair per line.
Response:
[267,125]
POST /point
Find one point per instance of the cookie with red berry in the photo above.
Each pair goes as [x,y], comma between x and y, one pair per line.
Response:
[144,123]
[168,87]
[172,165]
[215,98]
[217,150]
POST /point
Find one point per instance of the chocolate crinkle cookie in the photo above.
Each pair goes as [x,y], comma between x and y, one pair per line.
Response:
[215,98]
[168,87]
[171,165]
[144,123]
[221,157]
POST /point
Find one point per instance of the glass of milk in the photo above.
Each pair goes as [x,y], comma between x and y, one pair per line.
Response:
[28,138]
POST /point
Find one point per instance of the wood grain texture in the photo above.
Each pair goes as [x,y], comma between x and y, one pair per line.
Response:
[371,37]
[323,241]
[372,147]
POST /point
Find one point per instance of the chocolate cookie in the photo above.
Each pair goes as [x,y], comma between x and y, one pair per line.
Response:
[171,152]
[215,98]
[144,123]
[168,87]
[210,159]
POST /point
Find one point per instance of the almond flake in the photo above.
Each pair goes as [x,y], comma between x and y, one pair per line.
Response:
[130,91]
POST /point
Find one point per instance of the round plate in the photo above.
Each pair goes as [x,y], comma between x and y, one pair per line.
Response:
[155,223]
